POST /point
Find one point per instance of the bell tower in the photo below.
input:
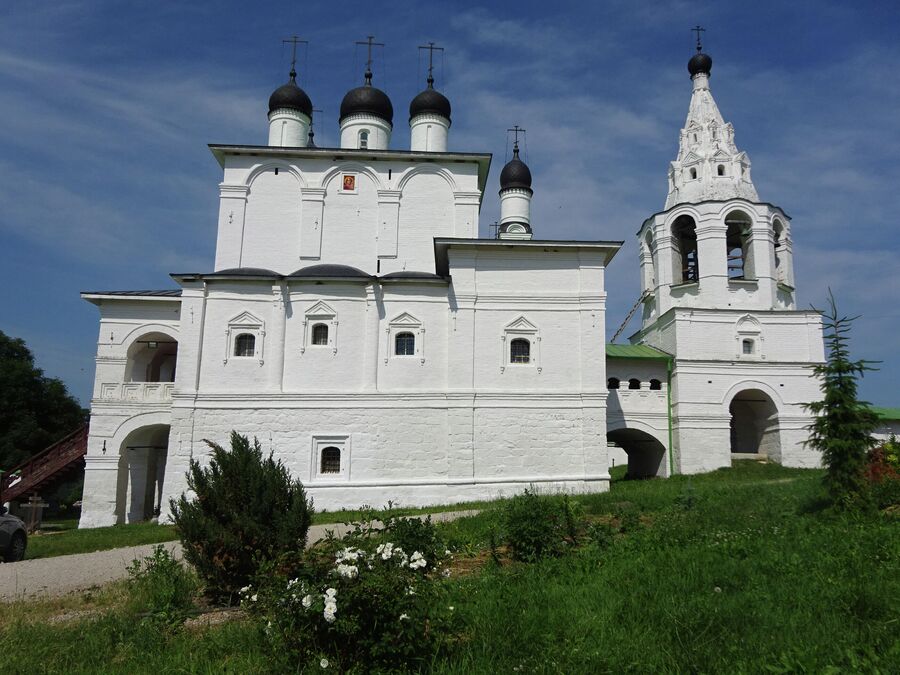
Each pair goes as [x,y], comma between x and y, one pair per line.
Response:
[715,245]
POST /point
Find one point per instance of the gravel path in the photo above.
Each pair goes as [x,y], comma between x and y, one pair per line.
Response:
[52,577]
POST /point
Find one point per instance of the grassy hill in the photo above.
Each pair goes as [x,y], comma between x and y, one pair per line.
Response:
[733,571]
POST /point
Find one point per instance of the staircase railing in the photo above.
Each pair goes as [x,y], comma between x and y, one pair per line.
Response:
[33,472]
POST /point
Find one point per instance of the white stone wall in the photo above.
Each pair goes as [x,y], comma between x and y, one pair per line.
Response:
[304,216]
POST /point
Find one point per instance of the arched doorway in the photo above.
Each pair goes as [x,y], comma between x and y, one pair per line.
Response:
[754,425]
[151,358]
[142,466]
[646,455]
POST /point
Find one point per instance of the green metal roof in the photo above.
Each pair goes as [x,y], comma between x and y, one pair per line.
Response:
[636,352]
[892,414]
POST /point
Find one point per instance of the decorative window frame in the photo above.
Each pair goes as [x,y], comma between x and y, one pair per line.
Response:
[245,322]
[355,189]
[404,323]
[520,328]
[749,328]
[319,313]
[319,443]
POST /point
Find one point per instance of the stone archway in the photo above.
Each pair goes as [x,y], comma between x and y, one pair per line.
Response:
[646,455]
[755,430]
[142,467]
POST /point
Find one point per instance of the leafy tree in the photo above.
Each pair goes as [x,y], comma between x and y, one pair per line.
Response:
[842,430]
[246,510]
[35,411]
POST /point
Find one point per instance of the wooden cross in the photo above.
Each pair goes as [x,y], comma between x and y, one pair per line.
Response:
[36,505]
[294,40]
[431,50]
[369,42]
[698,29]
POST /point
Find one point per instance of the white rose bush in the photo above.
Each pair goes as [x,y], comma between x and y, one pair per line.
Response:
[364,598]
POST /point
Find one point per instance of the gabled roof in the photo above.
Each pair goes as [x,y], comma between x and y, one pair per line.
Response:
[636,352]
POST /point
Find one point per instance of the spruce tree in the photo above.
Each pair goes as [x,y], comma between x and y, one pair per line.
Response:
[245,509]
[843,425]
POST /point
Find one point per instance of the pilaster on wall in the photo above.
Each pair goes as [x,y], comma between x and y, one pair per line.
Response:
[101,480]
[713,260]
[232,213]
[388,223]
[461,439]
[190,344]
[312,209]
[465,214]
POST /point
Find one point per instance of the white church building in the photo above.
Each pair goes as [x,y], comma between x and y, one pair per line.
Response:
[356,324]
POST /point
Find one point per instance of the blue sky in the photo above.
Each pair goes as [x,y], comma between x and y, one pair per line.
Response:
[106,109]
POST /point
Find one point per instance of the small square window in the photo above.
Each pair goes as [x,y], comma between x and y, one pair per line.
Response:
[331,460]
[245,345]
[404,344]
[520,351]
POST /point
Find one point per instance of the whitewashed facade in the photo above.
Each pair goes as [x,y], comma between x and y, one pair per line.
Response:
[358,327]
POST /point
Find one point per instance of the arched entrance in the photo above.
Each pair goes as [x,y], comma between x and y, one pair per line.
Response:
[142,466]
[754,425]
[151,358]
[646,455]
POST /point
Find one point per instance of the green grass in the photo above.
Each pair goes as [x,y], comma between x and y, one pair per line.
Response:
[63,538]
[97,539]
[735,571]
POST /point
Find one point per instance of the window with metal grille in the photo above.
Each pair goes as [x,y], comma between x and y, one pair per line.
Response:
[331,460]
[320,334]
[520,351]
[245,345]
[747,346]
[405,344]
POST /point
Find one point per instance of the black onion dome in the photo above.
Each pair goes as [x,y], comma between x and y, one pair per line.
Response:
[367,100]
[430,101]
[700,63]
[291,96]
[516,173]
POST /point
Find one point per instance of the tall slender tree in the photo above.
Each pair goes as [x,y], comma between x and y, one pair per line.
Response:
[842,430]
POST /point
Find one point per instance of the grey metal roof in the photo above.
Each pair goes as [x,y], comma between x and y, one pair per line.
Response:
[165,293]
[329,271]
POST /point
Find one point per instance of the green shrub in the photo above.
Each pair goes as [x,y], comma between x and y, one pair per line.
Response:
[246,509]
[886,493]
[161,586]
[601,535]
[358,601]
[536,525]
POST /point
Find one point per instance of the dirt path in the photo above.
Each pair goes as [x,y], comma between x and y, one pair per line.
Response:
[51,577]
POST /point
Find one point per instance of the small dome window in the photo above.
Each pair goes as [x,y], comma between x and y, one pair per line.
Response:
[612,383]
[634,383]
[363,139]
[721,169]
[405,344]
[693,174]
[520,351]
[655,385]
[245,345]
[320,334]
[331,460]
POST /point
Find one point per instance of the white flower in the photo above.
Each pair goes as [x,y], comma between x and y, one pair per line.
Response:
[292,583]
[448,552]
[324,663]
[254,596]
[245,590]
[386,550]
[451,608]
[410,591]
[306,601]
[330,612]
[348,571]
[445,572]
[404,617]
[417,561]
[329,594]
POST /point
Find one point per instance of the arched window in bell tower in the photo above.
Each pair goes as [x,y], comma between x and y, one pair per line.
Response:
[778,236]
[684,259]
[737,244]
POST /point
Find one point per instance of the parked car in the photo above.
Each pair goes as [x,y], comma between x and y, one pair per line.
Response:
[13,537]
